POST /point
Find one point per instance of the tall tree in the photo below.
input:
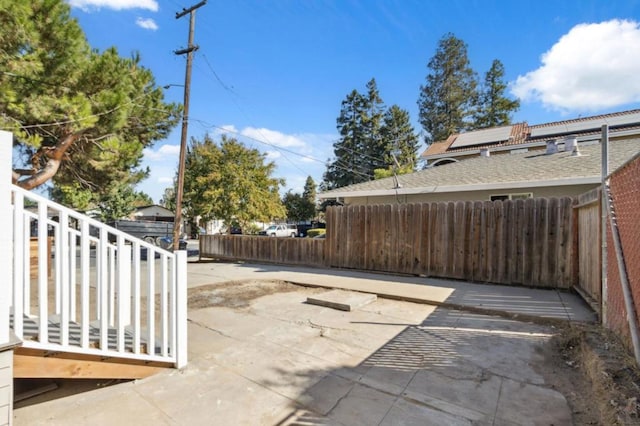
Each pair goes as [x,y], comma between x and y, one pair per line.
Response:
[360,149]
[231,182]
[309,191]
[347,167]
[446,100]
[374,147]
[80,117]
[494,108]
[400,139]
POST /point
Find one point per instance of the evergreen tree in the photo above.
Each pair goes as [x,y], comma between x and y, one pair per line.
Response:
[446,100]
[494,108]
[360,149]
[348,167]
[400,139]
[81,118]
[309,192]
[375,147]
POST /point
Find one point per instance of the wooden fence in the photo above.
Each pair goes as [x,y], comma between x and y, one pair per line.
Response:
[293,251]
[588,216]
[521,242]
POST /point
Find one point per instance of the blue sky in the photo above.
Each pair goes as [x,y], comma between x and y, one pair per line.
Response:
[273,73]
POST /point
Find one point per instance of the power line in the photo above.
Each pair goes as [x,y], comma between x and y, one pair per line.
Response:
[207,125]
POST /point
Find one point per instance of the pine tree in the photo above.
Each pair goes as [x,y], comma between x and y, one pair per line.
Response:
[309,192]
[348,167]
[106,108]
[400,139]
[446,100]
[494,108]
[360,149]
[375,147]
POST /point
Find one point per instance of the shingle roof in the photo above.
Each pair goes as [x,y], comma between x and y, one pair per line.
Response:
[535,168]
[521,132]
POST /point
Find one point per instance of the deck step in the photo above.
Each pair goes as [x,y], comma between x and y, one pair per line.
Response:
[31,331]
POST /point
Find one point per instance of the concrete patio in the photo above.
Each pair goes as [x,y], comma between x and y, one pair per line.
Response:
[283,361]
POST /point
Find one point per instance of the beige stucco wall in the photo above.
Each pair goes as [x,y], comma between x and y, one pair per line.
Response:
[551,191]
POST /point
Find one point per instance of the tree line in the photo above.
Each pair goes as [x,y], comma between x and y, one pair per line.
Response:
[376,142]
[81,119]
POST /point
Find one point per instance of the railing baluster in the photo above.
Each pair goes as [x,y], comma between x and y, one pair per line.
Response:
[136,297]
[164,330]
[112,286]
[73,252]
[62,252]
[103,289]
[172,305]
[85,259]
[124,291]
[26,265]
[18,268]
[58,258]
[43,299]
[151,309]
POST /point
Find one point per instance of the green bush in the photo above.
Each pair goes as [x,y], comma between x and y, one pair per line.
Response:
[314,232]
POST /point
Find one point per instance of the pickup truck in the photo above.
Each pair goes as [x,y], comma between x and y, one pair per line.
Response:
[149,231]
[280,231]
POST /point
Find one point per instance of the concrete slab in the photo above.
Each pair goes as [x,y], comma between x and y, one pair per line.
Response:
[282,361]
[341,300]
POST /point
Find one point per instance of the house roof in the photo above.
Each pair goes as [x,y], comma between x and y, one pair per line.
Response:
[503,171]
[522,133]
[155,209]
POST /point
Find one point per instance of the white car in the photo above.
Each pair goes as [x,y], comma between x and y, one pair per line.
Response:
[280,231]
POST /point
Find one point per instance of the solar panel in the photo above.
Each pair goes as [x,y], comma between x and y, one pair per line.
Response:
[481,137]
[585,125]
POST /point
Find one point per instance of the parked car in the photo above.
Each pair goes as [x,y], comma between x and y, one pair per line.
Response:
[167,243]
[280,231]
[235,230]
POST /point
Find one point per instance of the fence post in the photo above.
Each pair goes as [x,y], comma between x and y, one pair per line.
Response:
[181,341]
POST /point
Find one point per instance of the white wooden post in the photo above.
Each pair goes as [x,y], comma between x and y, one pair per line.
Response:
[181,309]
[6,265]
[6,238]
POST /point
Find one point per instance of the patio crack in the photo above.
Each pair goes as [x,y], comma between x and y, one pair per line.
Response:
[211,329]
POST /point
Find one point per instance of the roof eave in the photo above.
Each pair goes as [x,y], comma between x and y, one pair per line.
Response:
[588,180]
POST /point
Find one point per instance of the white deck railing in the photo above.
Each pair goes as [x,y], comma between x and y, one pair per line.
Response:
[81,286]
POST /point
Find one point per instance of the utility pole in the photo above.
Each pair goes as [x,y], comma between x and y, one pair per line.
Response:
[185,118]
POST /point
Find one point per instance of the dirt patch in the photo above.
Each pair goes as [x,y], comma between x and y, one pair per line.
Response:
[595,372]
[235,294]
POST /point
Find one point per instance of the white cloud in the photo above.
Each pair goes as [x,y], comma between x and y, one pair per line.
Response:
[162,153]
[151,5]
[147,24]
[272,155]
[593,66]
[273,137]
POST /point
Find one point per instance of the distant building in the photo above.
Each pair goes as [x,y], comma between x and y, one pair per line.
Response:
[518,161]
